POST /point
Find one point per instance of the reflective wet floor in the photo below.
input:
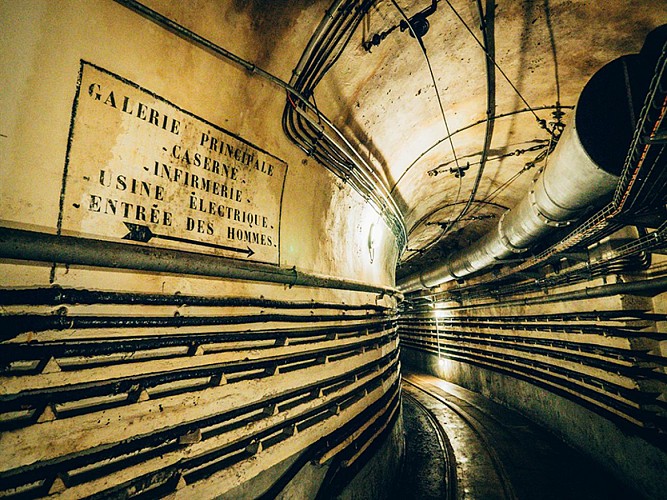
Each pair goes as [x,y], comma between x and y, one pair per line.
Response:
[497,453]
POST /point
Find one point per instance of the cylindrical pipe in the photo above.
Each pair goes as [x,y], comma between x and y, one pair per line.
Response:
[43,247]
[583,168]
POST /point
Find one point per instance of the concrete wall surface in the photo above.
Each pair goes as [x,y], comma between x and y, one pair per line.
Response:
[588,370]
[189,301]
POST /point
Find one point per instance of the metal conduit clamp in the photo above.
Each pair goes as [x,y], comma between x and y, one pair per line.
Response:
[296,277]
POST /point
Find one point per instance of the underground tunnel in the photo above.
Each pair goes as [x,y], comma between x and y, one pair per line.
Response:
[312,249]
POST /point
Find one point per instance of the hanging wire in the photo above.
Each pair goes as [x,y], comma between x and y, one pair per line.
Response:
[435,84]
[558,114]
[463,129]
[541,144]
[488,46]
[437,93]
[542,156]
[539,120]
[505,184]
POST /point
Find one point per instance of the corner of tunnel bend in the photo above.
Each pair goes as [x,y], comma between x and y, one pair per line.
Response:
[333,249]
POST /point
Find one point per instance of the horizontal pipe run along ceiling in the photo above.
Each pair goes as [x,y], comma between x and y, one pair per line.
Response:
[456,105]
[441,113]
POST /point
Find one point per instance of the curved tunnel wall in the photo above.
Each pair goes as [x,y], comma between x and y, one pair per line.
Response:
[179,367]
[150,369]
[577,343]
[586,360]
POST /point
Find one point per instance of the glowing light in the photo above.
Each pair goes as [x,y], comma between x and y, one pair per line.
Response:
[372,232]
[442,313]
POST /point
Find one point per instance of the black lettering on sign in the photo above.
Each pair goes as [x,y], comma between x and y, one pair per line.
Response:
[136,162]
[135,108]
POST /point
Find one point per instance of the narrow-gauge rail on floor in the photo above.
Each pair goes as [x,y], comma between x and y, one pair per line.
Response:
[425,475]
[492,452]
[478,469]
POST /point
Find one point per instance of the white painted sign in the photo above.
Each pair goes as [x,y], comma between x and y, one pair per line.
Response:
[143,170]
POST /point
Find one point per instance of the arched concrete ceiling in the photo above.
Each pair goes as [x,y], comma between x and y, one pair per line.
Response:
[504,74]
[383,97]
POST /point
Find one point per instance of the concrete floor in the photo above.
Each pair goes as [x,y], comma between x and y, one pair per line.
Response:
[535,463]
[424,465]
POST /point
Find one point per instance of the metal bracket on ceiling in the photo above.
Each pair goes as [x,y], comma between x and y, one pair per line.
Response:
[460,171]
[659,137]
[419,24]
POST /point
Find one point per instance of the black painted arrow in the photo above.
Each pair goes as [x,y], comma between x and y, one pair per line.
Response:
[144,234]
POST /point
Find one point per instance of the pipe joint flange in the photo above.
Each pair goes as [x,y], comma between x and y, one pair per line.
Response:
[469,267]
[505,240]
[542,217]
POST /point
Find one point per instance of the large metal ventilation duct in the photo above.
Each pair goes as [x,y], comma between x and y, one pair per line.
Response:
[581,171]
